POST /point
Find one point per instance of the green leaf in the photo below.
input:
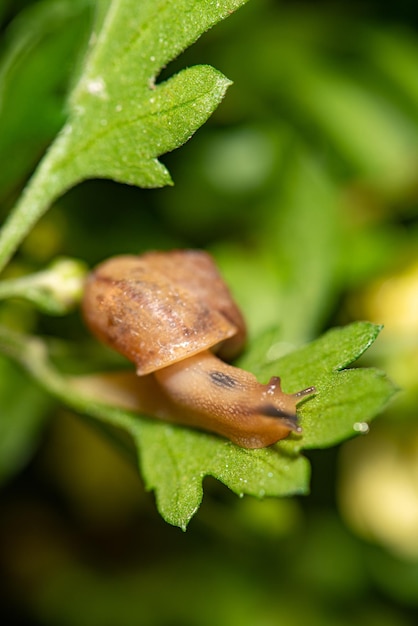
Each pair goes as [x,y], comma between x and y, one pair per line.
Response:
[321,79]
[345,400]
[120,121]
[350,400]
[295,266]
[381,142]
[395,54]
[303,240]
[121,141]
[174,460]
[336,349]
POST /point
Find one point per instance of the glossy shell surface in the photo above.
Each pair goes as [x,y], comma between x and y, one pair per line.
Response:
[162,307]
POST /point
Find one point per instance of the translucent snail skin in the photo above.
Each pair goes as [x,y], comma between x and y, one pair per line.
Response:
[172,315]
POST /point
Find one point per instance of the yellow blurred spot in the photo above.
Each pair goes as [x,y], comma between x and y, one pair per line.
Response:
[46,239]
[394,301]
[379,490]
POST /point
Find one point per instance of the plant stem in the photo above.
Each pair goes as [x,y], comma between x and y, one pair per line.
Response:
[50,180]
[31,353]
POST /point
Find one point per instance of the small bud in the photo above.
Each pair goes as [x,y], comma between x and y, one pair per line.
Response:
[55,290]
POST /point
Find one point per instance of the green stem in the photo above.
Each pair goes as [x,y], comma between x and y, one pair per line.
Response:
[55,290]
[31,353]
[50,180]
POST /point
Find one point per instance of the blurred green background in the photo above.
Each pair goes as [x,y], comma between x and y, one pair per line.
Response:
[304,184]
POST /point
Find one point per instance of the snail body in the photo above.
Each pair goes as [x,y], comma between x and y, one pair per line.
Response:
[171,314]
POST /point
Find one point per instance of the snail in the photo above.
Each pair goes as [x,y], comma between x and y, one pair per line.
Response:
[172,315]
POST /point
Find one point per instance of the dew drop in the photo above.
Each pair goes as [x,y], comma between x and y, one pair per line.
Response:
[96,87]
[361,427]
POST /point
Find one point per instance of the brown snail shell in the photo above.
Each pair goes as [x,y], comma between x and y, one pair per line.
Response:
[168,313]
